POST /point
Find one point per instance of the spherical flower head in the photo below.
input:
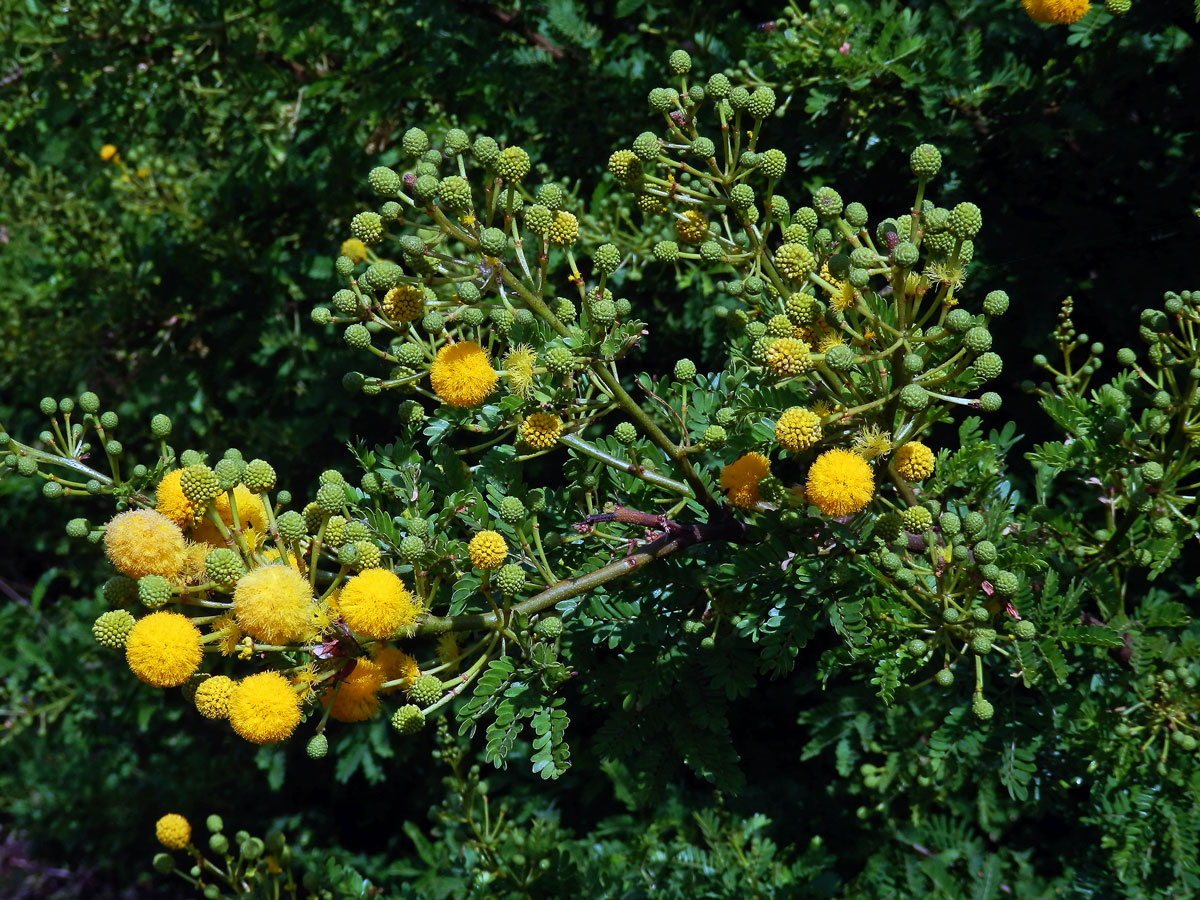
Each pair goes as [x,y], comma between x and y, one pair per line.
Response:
[488,550]
[212,697]
[840,483]
[354,250]
[112,628]
[273,604]
[252,516]
[169,500]
[798,429]
[163,649]
[564,229]
[173,831]
[396,665]
[914,461]
[356,697]
[740,479]
[541,431]
[787,356]
[794,262]
[1056,12]
[461,374]
[264,708]
[404,303]
[512,164]
[518,369]
[691,226]
[625,166]
[107,152]
[376,603]
[144,542]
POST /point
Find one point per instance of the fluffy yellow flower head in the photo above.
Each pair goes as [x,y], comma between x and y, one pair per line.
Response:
[173,831]
[914,461]
[230,634]
[212,697]
[840,483]
[541,431]
[143,542]
[395,664]
[741,477]
[169,500]
[163,649]
[798,429]
[357,696]
[488,550]
[518,369]
[1056,12]
[376,603]
[264,709]
[272,603]
[355,249]
[251,515]
[461,374]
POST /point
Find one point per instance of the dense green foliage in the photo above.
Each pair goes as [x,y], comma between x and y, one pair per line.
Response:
[745,717]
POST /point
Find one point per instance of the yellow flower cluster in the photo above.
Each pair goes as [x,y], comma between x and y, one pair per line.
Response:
[1056,12]
[788,356]
[461,374]
[914,461]
[173,831]
[274,604]
[264,708]
[212,696]
[691,226]
[518,369]
[375,603]
[840,483]
[143,542]
[163,649]
[798,429]
[356,697]
[740,479]
[541,431]
[355,249]
[396,664]
[488,550]
[564,230]
[404,303]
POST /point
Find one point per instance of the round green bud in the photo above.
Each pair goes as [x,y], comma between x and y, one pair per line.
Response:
[914,397]
[511,510]
[412,548]
[982,708]
[485,150]
[510,579]
[89,402]
[415,142]
[1152,472]
[112,628]
[761,103]
[112,448]
[291,526]
[779,326]
[433,322]
[425,690]
[320,315]
[625,432]
[913,363]
[607,258]
[78,528]
[990,402]
[331,498]
[827,202]
[384,181]
[646,146]
[163,864]
[950,615]
[773,164]
[318,746]
[890,562]
[685,370]
[1025,630]
[457,141]
[741,196]
[917,647]
[718,86]
[703,148]
[925,161]
[984,551]
[982,640]
[564,310]
[905,255]
[1006,584]
[1117,7]
[977,339]
[223,566]
[662,99]
[889,526]
[252,848]
[604,313]
[988,366]
[995,303]
[455,193]
[512,164]
[493,242]
[916,519]
[559,360]
[666,251]
[839,357]
[27,466]
[408,719]
[548,627]
[966,220]
[344,266]
[218,844]
[367,227]
[979,614]
[154,591]
[1126,357]
[551,196]
[357,336]
[944,678]
[348,555]
[714,437]
[958,320]
[680,62]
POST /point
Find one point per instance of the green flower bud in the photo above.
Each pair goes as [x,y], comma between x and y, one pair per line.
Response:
[685,370]
[839,357]
[916,519]
[680,62]
[995,303]
[703,148]
[367,227]
[944,678]
[384,181]
[718,86]
[510,579]
[154,591]
[925,161]
[625,432]
[433,322]
[485,150]
[493,242]
[455,193]
[761,102]
[163,864]
[291,526]
[199,484]
[331,498]
[112,628]
[1152,472]
[1006,584]
[827,202]
[412,548]
[666,251]
[426,690]
[357,336]
[320,315]
[559,360]
[714,437]
[408,719]
[511,510]
[773,164]
[344,266]
[318,746]
[512,164]
[965,220]
[977,339]
[223,566]
[741,196]
[1025,630]
[990,402]
[662,99]
[646,146]
[78,528]
[981,708]
[913,397]
[988,366]
[985,552]
[415,142]
[607,258]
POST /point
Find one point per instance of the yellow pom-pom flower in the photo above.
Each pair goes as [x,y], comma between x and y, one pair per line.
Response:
[273,604]
[144,542]
[787,356]
[461,374]
[404,303]
[1056,12]
[108,152]
[163,649]
[376,603]
[914,461]
[356,697]
[264,708]
[212,697]
[840,483]
[541,431]
[488,550]
[169,500]
[396,665]
[252,516]
[173,831]
[740,479]
[798,429]
[355,249]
